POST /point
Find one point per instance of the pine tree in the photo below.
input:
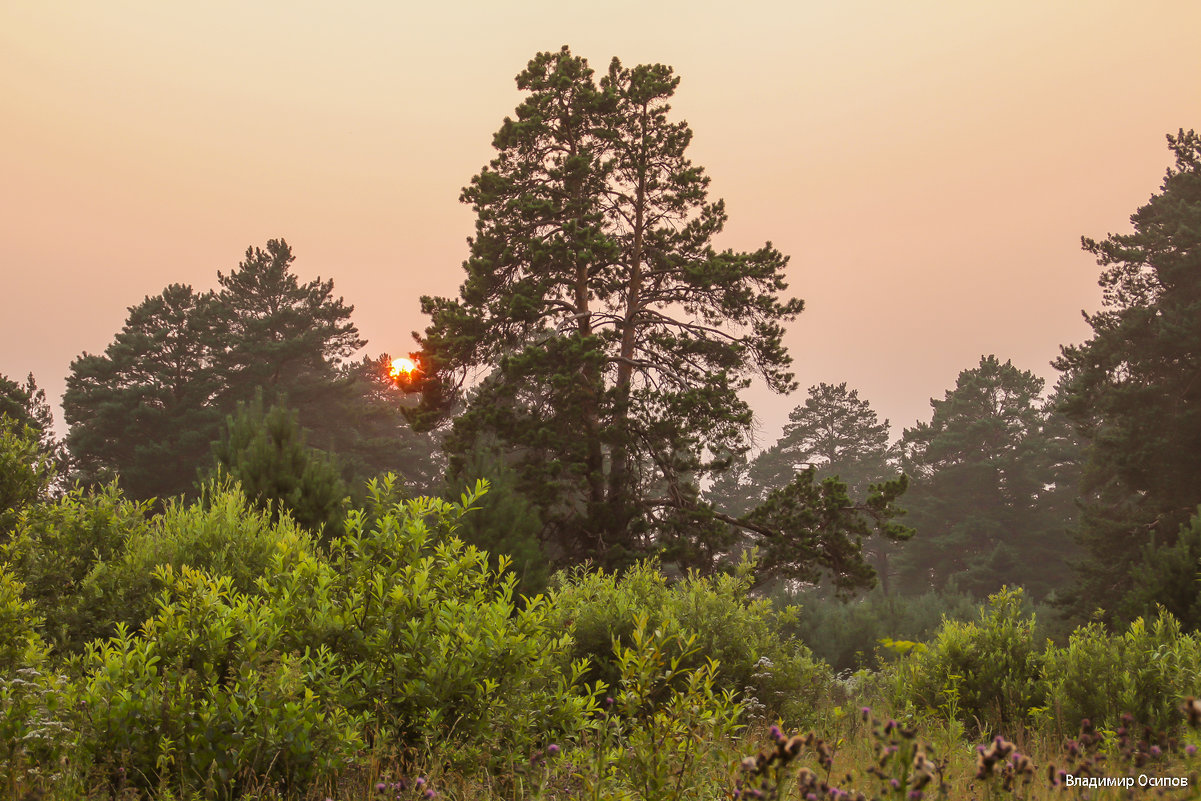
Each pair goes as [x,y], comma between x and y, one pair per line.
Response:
[264,450]
[145,409]
[1133,390]
[614,336]
[286,338]
[990,477]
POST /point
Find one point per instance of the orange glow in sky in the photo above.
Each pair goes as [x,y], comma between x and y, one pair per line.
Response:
[928,166]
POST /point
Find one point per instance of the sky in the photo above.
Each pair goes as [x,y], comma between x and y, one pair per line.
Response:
[929,167]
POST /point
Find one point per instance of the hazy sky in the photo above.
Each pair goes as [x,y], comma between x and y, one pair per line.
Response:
[929,166]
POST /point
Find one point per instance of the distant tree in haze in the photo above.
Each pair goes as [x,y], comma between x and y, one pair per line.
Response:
[837,435]
[26,405]
[284,337]
[147,408]
[264,450]
[614,336]
[833,431]
[993,478]
[1133,390]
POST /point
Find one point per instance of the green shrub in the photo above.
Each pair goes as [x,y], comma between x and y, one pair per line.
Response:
[207,697]
[58,543]
[983,673]
[436,648]
[847,634]
[716,613]
[664,729]
[221,533]
[1145,672]
[32,728]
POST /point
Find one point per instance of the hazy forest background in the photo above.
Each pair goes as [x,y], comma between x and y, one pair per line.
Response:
[545,554]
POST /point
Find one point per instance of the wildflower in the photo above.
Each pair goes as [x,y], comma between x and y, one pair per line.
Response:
[552,750]
[380,787]
[1191,750]
[776,734]
[865,711]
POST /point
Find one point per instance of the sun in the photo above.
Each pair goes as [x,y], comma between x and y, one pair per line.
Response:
[401,367]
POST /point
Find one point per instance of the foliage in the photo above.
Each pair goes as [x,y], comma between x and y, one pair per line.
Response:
[834,431]
[26,473]
[265,452]
[983,673]
[26,405]
[149,408]
[285,338]
[847,633]
[221,533]
[508,524]
[837,436]
[207,697]
[992,487]
[1131,389]
[617,336]
[58,544]
[825,530]
[658,736]
[1168,578]
[1144,672]
[436,647]
[776,674]
[145,409]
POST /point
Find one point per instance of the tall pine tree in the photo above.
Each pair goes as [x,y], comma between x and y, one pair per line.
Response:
[614,335]
[1133,390]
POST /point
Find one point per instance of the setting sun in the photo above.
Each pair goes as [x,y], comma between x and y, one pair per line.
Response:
[401,367]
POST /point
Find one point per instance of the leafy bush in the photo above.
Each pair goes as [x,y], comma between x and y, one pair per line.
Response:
[32,731]
[433,642]
[715,613]
[664,728]
[983,673]
[848,633]
[221,533]
[57,544]
[207,695]
[1145,672]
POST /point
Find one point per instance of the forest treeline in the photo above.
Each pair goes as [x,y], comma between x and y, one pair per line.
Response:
[261,564]
[609,341]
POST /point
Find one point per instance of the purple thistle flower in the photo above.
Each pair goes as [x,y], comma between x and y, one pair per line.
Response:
[552,749]
[380,787]
[1191,750]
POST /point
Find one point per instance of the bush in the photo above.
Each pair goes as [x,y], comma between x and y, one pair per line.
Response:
[983,673]
[221,533]
[848,634]
[742,635]
[57,545]
[1145,672]
[207,696]
[32,731]
[435,647]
